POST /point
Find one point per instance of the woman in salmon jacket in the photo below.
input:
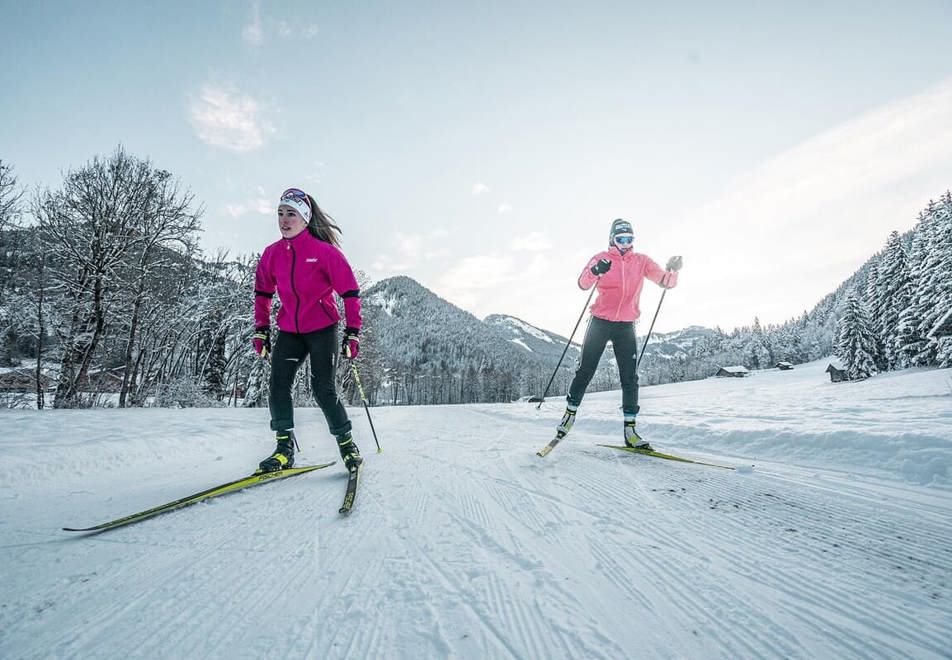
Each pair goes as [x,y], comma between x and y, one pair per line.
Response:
[619,274]
[306,268]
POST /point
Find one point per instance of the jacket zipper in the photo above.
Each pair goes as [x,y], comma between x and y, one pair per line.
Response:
[297,306]
[624,288]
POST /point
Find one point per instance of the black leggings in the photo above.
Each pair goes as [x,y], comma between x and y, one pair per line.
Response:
[622,336]
[289,352]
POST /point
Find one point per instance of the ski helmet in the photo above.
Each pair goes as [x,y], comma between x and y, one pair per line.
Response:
[622,236]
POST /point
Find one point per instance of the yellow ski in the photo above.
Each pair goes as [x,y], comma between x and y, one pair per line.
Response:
[223,489]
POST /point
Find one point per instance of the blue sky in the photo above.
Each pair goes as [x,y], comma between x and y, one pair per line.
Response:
[485,148]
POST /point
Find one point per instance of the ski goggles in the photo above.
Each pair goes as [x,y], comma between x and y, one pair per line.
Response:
[297,200]
[624,239]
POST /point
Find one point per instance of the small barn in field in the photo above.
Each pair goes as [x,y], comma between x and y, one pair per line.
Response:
[837,375]
[784,366]
[736,371]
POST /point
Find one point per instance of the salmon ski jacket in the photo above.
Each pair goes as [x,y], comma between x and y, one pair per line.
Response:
[619,290]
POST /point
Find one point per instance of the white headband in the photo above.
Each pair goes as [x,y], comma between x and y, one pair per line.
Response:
[296,202]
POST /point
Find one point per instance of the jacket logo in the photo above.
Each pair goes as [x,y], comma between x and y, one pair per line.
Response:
[311,260]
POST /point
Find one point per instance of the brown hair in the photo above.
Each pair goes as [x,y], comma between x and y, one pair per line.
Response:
[321,225]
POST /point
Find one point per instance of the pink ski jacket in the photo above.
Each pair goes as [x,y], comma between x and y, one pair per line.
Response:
[306,272]
[619,290]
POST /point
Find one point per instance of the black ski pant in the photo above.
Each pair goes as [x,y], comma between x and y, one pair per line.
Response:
[289,352]
[622,336]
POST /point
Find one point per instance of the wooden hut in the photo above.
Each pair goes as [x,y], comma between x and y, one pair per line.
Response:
[736,371]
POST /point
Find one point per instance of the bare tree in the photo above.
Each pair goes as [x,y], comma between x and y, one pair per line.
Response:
[11,196]
[167,230]
[106,214]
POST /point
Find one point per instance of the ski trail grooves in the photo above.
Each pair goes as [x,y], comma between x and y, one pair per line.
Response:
[464,544]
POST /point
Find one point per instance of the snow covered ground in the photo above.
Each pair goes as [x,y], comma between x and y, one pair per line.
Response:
[464,544]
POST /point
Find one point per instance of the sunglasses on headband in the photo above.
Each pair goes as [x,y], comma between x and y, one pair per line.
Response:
[294,193]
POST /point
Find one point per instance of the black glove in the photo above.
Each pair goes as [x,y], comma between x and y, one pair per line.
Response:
[601,267]
[261,340]
[350,347]
[674,263]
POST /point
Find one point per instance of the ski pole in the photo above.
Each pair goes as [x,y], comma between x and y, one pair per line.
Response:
[650,328]
[567,344]
[360,391]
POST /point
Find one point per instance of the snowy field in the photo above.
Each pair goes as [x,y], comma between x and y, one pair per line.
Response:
[464,544]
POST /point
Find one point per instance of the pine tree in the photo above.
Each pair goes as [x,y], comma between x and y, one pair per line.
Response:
[910,343]
[890,293]
[855,341]
[933,279]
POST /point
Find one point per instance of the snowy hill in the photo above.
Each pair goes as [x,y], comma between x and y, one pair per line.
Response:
[439,353]
[464,544]
[404,309]
[674,345]
[545,345]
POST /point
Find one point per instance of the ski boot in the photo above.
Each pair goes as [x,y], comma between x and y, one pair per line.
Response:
[349,452]
[568,419]
[632,439]
[283,456]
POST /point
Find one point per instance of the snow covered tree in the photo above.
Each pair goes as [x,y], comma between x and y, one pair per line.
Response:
[932,273]
[758,354]
[889,298]
[939,280]
[10,196]
[909,342]
[855,340]
[105,216]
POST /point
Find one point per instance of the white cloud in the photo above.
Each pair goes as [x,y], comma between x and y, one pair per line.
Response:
[410,250]
[259,204]
[504,208]
[223,117]
[470,277]
[235,210]
[265,206]
[253,33]
[479,188]
[788,232]
[532,242]
[478,282]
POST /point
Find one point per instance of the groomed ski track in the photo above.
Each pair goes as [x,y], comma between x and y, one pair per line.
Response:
[463,543]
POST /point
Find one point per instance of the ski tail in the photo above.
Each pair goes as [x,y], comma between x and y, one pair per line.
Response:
[669,457]
[351,493]
[553,443]
[216,491]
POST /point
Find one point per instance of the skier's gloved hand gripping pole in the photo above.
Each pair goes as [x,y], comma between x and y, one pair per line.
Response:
[349,352]
[598,270]
[674,263]
[261,340]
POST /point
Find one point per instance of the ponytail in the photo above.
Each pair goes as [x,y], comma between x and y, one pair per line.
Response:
[322,226]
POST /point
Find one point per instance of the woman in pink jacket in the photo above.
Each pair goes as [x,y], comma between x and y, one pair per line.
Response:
[619,274]
[306,268]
